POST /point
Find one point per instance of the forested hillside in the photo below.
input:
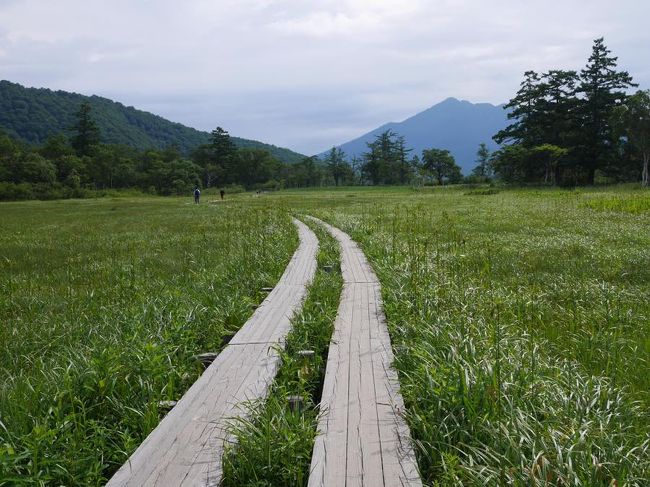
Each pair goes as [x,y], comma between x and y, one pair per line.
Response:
[33,114]
[81,166]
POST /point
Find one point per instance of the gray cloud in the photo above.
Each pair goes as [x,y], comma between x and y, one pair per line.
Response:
[306,75]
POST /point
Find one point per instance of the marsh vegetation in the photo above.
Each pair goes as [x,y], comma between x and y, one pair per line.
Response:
[519,319]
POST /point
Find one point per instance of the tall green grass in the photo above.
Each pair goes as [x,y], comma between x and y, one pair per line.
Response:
[629,203]
[103,303]
[520,322]
[274,446]
[521,326]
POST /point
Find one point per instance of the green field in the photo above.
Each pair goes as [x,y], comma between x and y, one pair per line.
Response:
[103,304]
[520,321]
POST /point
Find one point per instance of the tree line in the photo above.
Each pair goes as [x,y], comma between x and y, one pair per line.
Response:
[567,128]
[81,165]
[387,161]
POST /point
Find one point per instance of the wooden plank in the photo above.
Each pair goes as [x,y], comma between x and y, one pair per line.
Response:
[334,403]
[185,449]
[363,438]
[368,449]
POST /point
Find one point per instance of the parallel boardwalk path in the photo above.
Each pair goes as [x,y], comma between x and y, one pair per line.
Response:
[186,447]
[363,439]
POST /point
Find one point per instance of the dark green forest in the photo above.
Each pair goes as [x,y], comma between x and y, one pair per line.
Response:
[81,164]
[33,114]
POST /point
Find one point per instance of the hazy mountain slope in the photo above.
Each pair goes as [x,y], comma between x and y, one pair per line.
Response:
[459,126]
[32,114]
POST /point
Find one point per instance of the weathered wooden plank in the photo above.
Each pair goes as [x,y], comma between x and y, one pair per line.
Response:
[335,402]
[354,447]
[369,449]
[363,438]
[186,447]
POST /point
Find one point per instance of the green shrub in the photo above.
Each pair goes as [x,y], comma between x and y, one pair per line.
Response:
[635,203]
[16,192]
[482,192]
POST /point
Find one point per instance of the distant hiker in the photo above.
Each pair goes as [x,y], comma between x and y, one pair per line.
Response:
[222,192]
[197,195]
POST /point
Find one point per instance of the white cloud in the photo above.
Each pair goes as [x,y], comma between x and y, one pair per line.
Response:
[351,18]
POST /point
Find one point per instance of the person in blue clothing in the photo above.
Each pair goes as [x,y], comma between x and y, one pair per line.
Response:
[197,195]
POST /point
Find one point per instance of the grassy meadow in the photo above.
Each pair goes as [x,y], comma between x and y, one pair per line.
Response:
[103,303]
[521,324]
[520,321]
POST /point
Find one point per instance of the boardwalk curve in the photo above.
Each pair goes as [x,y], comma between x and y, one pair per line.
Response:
[186,448]
[363,439]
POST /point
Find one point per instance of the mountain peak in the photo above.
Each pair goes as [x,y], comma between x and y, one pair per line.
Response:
[456,125]
[450,101]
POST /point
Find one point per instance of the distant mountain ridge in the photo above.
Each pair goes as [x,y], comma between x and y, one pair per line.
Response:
[33,114]
[456,125]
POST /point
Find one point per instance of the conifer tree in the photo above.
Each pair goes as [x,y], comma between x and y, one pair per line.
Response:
[603,89]
[218,166]
[336,164]
[386,160]
[221,144]
[87,132]
[482,169]
[404,168]
[632,123]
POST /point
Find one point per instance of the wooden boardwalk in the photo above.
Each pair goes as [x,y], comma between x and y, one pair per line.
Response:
[186,447]
[363,438]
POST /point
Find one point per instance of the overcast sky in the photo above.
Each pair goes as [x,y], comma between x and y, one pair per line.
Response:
[307,74]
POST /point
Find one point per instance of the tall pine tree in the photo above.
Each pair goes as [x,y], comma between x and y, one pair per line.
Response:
[482,170]
[386,160]
[336,164]
[87,133]
[221,155]
[603,89]
[632,125]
